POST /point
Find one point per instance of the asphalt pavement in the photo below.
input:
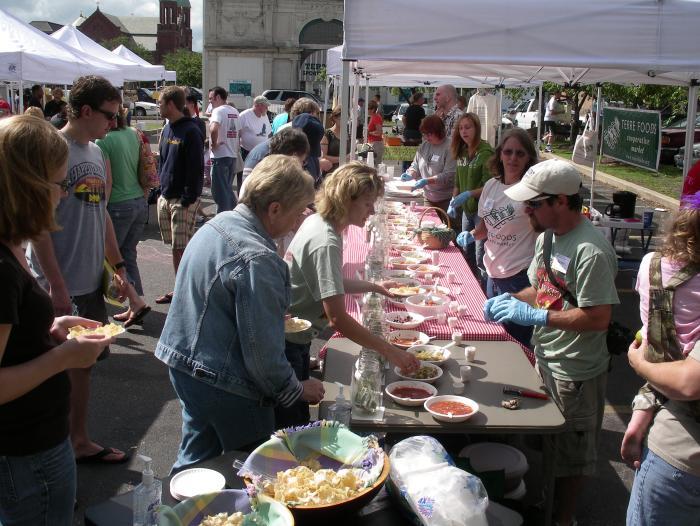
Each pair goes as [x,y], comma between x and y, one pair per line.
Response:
[133,406]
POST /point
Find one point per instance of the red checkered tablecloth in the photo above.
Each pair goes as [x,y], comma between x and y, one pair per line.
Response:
[471,324]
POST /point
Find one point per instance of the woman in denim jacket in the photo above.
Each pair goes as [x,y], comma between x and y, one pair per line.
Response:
[223,339]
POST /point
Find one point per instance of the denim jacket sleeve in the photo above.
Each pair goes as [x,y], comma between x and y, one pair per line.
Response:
[261,294]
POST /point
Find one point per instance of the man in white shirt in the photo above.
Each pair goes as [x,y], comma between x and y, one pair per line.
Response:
[254,126]
[552,113]
[224,149]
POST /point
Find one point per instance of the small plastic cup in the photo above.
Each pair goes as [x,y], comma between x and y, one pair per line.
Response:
[441,317]
[435,255]
[428,276]
[454,305]
[458,290]
[457,387]
[462,310]
[470,353]
[390,171]
[452,322]
[451,277]
[465,372]
[457,337]
[414,204]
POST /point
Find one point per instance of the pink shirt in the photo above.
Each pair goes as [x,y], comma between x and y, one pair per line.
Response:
[686,302]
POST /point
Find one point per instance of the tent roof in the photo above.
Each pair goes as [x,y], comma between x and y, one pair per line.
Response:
[27,54]
[131,70]
[126,53]
[622,41]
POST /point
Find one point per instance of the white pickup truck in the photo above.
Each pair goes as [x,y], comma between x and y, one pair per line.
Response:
[527,116]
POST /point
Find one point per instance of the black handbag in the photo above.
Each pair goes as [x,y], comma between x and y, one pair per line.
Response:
[618,337]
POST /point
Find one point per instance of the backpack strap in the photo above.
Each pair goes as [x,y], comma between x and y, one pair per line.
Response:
[547,256]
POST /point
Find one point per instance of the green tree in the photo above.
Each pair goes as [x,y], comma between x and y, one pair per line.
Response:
[187,64]
[129,43]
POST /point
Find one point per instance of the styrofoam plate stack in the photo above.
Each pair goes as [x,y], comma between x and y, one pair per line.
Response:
[492,456]
[196,481]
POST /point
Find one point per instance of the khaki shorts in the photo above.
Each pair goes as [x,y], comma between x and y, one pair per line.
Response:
[582,404]
[176,222]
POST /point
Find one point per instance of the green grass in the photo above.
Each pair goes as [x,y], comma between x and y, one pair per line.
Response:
[669,180]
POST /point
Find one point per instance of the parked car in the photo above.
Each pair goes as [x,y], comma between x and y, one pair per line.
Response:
[397,117]
[145,109]
[527,116]
[673,138]
[277,98]
[678,158]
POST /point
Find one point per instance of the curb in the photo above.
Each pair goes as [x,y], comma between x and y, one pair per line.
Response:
[642,192]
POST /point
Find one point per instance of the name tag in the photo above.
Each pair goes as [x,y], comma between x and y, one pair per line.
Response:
[560,263]
[435,158]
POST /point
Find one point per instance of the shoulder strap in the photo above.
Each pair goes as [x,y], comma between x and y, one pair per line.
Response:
[687,272]
[547,255]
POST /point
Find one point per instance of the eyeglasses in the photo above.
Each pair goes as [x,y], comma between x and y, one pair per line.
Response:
[64,185]
[110,116]
[537,202]
[518,153]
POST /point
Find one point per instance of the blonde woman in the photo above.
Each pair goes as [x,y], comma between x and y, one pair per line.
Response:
[667,480]
[34,352]
[315,259]
[223,339]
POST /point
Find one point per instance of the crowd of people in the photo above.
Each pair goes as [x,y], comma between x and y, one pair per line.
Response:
[275,249]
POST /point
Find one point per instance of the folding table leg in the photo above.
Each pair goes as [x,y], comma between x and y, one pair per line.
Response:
[549,480]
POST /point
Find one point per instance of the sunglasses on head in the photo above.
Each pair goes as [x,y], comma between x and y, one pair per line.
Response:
[538,201]
[110,116]
[518,153]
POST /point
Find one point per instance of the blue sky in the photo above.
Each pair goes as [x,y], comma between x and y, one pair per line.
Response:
[65,12]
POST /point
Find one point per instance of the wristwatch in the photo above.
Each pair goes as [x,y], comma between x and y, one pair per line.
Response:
[119,265]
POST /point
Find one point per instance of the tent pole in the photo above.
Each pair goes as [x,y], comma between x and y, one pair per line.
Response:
[365,131]
[500,115]
[595,148]
[21,97]
[540,120]
[690,126]
[344,107]
[325,102]
[353,109]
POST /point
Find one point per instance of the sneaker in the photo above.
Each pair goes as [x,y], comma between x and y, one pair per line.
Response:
[548,149]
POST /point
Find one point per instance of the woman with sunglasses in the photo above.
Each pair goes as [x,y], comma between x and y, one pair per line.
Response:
[509,239]
[471,154]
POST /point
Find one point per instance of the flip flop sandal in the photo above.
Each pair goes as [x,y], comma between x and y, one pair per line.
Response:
[100,457]
[165,298]
[137,317]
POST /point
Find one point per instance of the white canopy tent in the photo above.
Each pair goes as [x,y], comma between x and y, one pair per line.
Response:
[125,52]
[72,37]
[29,55]
[620,41]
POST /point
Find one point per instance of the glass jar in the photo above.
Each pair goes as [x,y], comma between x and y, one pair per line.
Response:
[367,382]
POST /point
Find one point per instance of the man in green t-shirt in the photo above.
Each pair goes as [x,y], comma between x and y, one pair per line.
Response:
[569,338]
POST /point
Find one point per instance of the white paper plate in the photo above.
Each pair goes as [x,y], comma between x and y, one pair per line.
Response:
[196,481]
[296,325]
[416,337]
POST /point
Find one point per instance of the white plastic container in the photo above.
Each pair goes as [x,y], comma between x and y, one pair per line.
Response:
[147,497]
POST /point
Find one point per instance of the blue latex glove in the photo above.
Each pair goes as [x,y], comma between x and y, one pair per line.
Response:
[420,184]
[451,211]
[460,199]
[464,239]
[488,305]
[406,176]
[519,312]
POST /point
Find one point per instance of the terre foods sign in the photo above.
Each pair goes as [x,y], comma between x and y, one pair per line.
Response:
[632,136]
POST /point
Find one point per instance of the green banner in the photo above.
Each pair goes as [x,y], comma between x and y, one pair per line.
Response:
[632,136]
[240,87]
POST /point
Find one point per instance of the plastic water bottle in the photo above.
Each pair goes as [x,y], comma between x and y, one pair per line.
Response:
[341,409]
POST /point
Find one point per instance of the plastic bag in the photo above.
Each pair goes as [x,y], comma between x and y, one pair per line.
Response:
[436,493]
[585,146]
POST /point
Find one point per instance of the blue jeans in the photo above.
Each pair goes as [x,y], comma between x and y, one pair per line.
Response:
[515,283]
[298,413]
[474,253]
[663,495]
[222,171]
[129,218]
[38,489]
[215,421]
